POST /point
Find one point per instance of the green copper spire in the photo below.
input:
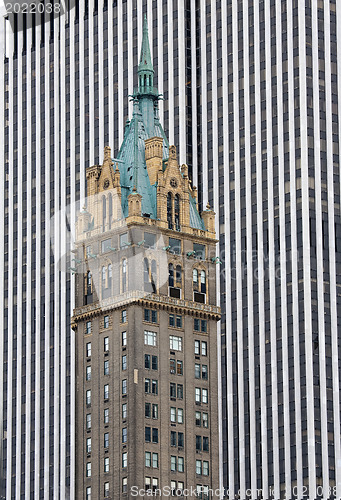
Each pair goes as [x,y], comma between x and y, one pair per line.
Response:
[145,65]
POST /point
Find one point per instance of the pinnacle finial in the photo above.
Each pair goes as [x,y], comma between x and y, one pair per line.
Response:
[145,65]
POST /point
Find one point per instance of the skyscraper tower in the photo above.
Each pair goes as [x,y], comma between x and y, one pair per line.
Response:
[239,80]
[145,319]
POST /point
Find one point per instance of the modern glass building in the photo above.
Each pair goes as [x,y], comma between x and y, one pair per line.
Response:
[251,99]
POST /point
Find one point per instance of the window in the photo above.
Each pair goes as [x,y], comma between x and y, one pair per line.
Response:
[172,365]
[150,362]
[197,395]
[124,276]
[106,440]
[198,467]
[205,468]
[177,212]
[170,210]
[88,421]
[173,438]
[124,484]
[205,443]
[88,469]
[205,420]
[149,338]
[204,372]
[174,288]
[88,493]
[149,240]
[180,416]
[175,246]
[181,465]
[200,325]
[148,459]
[124,339]
[88,349]
[204,348]
[124,316]
[175,320]
[154,363]
[124,460]
[106,464]
[197,370]
[205,396]
[106,415]
[147,385]
[155,411]
[197,347]
[149,275]
[123,240]
[171,275]
[155,435]
[173,464]
[106,391]
[124,386]
[150,316]
[147,483]
[172,390]
[198,418]
[199,285]
[106,321]
[198,443]
[124,411]
[124,362]
[147,434]
[175,343]
[155,483]
[106,367]
[88,445]
[124,435]
[172,320]
[154,387]
[106,490]
[88,327]
[88,373]
[88,398]
[147,410]
[173,414]
[106,344]
[180,439]
[199,251]
[180,391]
[155,460]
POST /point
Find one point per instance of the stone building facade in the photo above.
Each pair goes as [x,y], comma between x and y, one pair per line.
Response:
[145,319]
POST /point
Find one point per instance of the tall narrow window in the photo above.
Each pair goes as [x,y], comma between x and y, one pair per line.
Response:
[169,211]
[146,275]
[177,212]
[110,210]
[124,275]
[195,279]
[171,275]
[109,276]
[104,212]
[153,276]
[88,288]
[178,276]
[203,282]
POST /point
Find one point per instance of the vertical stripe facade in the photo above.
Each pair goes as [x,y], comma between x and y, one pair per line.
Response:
[251,102]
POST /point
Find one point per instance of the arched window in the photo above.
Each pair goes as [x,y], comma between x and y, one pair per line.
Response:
[169,211]
[178,275]
[104,212]
[104,276]
[199,285]
[109,276]
[153,276]
[124,275]
[88,288]
[195,279]
[177,212]
[110,210]
[171,275]
[203,281]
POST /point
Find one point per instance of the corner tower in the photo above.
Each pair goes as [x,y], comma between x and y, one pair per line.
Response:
[145,319]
